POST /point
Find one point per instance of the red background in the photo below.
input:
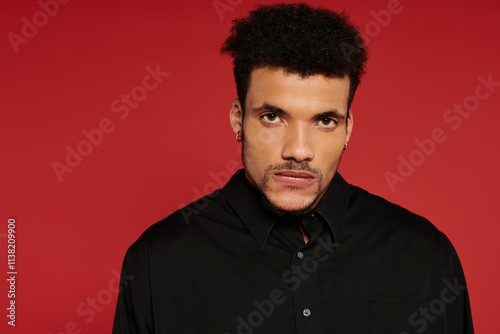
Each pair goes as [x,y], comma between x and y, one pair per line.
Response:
[72,235]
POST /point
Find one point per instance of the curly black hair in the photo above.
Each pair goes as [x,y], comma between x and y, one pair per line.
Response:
[298,38]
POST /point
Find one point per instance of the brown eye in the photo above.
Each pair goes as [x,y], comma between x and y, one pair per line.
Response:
[270,117]
[328,123]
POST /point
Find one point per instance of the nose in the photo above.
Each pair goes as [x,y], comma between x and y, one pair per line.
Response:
[297,144]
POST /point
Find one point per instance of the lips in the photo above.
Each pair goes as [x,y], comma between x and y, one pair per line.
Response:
[294,178]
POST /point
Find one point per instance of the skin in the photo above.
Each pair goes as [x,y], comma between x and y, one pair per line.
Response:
[293,131]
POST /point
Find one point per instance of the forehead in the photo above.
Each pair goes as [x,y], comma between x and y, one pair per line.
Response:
[291,91]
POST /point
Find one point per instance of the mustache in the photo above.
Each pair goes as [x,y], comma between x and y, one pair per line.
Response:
[294,165]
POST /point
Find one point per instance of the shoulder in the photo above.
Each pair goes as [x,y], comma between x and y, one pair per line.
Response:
[367,206]
[396,233]
[393,223]
[186,226]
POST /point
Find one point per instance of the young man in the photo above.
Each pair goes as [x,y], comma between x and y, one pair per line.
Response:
[287,245]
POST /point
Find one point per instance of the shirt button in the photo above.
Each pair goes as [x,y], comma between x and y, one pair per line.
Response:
[300,255]
[313,215]
[306,312]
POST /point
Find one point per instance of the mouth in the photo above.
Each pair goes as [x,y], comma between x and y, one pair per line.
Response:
[294,178]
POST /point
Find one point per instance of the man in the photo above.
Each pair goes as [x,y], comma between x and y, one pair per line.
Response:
[287,245]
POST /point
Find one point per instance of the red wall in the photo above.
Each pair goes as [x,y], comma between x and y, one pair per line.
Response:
[66,75]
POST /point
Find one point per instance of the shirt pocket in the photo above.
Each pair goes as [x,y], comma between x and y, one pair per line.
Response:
[408,316]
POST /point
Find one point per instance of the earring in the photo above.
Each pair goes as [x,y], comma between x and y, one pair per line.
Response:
[345,146]
[238,138]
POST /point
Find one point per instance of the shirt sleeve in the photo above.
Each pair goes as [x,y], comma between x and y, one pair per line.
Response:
[455,294]
[134,307]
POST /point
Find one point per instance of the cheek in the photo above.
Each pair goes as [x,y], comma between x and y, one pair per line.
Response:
[264,138]
[328,156]
[260,141]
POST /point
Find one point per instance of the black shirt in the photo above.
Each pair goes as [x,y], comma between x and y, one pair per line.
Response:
[223,264]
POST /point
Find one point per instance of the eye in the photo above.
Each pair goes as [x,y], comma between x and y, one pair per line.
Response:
[328,123]
[270,118]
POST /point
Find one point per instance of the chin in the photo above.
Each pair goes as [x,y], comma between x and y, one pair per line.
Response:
[299,204]
[288,207]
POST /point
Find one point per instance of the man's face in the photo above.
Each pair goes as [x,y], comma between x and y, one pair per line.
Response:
[294,130]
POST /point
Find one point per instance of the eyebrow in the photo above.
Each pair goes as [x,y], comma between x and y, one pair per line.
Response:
[330,113]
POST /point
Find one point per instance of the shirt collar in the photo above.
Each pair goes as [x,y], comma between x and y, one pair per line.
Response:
[246,202]
[333,205]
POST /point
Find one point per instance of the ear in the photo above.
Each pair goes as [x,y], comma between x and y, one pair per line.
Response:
[350,123]
[236,116]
